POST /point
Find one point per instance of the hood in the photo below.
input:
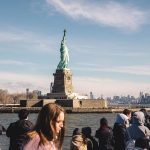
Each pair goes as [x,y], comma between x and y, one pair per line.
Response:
[121,119]
[138,118]
[23,126]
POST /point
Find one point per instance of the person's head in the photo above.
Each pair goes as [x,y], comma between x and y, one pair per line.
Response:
[78,142]
[103,122]
[127,112]
[144,111]
[23,114]
[75,131]
[50,124]
[122,119]
[138,118]
[86,131]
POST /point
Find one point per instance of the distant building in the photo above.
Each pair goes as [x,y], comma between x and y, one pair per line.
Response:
[145,99]
[91,95]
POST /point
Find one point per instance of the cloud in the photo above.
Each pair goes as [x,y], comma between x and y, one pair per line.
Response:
[23,77]
[137,70]
[14,82]
[110,14]
[84,85]
[125,53]
[116,50]
[15,62]
[109,87]
[26,39]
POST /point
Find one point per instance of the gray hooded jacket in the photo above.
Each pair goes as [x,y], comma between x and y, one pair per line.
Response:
[137,129]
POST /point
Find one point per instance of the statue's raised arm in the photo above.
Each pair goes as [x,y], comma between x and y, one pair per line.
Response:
[64,54]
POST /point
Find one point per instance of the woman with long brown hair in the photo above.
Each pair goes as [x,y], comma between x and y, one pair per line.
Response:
[48,133]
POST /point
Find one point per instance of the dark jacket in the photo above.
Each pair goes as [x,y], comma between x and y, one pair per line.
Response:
[17,133]
[92,143]
[120,136]
[105,138]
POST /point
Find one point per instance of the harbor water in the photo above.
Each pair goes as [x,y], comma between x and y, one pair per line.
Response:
[76,120]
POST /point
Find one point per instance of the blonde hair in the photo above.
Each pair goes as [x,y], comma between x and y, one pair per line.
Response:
[45,125]
[78,142]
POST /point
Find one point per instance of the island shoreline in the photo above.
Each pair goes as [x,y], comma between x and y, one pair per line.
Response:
[71,110]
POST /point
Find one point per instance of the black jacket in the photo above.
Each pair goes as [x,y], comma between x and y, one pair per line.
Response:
[105,138]
[17,133]
[120,136]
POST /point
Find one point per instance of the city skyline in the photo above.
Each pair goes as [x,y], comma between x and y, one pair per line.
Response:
[108,44]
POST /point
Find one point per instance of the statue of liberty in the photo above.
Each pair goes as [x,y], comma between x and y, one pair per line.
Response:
[64,55]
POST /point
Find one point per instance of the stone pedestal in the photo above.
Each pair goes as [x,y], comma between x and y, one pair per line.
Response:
[62,85]
[62,81]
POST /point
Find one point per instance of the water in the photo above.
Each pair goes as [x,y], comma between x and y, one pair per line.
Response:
[72,121]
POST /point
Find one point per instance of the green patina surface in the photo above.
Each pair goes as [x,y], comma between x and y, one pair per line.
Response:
[64,54]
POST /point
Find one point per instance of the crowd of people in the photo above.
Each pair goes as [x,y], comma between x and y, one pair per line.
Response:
[131,131]
[46,134]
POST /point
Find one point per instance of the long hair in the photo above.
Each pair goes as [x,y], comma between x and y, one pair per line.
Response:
[45,125]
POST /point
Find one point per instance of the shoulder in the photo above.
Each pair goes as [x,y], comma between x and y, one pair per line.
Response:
[11,129]
[29,123]
[98,130]
[26,124]
[12,125]
[147,131]
[32,143]
[97,133]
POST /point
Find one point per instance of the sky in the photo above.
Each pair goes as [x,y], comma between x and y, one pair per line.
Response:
[108,42]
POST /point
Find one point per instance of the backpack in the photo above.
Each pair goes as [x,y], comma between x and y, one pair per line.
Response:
[130,144]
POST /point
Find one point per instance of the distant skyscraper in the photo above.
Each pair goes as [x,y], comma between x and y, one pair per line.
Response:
[91,95]
[27,93]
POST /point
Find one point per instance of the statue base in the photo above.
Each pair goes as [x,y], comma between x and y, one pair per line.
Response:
[57,96]
[62,86]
